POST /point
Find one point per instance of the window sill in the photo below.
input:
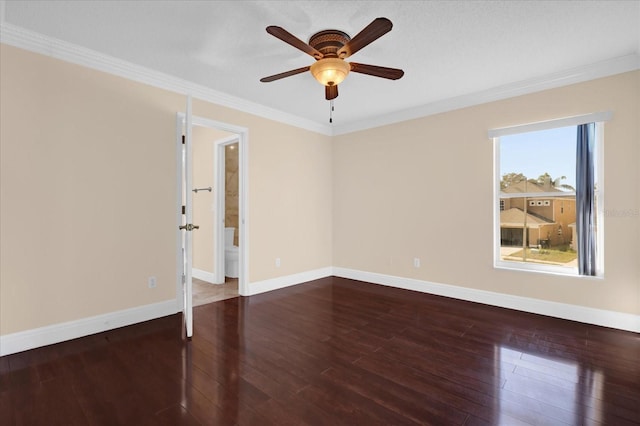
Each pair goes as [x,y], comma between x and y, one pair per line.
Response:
[544,269]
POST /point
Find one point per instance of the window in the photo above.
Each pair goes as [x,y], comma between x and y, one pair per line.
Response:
[537,217]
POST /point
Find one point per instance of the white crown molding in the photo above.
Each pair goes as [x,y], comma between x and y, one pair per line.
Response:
[601,317]
[56,333]
[29,40]
[563,78]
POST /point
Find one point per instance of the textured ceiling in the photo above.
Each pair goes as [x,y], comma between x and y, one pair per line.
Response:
[448,49]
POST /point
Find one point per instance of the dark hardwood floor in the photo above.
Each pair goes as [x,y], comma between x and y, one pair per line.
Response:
[332,352]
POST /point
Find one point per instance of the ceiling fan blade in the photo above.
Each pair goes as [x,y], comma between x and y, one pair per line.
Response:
[284,74]
[384,72]
[331,92]
[372,32]
[289,38]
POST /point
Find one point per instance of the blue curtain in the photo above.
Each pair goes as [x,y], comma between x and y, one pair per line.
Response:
[585,215]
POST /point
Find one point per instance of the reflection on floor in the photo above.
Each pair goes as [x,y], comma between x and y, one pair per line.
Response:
[333,352]
[204,292]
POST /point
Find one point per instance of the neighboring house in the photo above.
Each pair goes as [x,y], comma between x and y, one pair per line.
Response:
[574,236]
[547,218]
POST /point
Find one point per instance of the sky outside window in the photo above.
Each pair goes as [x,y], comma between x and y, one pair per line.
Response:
[550,151]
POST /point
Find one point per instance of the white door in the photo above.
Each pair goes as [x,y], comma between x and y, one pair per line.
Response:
[187,226]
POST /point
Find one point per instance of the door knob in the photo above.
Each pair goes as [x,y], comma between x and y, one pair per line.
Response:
[189,227]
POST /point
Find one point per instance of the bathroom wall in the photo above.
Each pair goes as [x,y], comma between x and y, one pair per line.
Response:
[203,201]
[231,188]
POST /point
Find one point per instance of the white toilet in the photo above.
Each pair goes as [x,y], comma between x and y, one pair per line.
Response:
[230,254]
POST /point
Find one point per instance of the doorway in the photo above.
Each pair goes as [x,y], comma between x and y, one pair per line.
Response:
[216,194]
[209,141]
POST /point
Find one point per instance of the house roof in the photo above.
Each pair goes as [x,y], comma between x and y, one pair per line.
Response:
[514,218]
[527,187]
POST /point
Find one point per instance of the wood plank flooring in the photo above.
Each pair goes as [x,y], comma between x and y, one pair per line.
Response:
[332,352]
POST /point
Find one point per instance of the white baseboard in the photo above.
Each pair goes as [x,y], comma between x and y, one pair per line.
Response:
[56,333]
[258,287]
[203,275]
[619,320]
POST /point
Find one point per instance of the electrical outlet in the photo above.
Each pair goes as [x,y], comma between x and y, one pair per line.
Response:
[152,282]
[416,262]
[277,262]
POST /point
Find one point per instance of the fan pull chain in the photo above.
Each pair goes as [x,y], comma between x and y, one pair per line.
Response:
[331,111]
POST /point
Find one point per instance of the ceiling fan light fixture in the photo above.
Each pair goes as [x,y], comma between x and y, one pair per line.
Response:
[330,71]
[329,48]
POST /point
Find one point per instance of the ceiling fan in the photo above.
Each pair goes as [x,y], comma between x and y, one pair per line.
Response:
[330,48]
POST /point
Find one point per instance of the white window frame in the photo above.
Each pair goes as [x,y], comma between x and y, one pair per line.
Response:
[599,118]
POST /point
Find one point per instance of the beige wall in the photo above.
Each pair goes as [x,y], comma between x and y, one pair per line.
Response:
[88,192]
[88,188]
[290,202]
[396,196]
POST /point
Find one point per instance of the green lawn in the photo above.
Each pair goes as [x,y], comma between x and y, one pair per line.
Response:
[546,255]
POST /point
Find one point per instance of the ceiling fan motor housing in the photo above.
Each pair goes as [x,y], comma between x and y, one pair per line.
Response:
[328,42]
